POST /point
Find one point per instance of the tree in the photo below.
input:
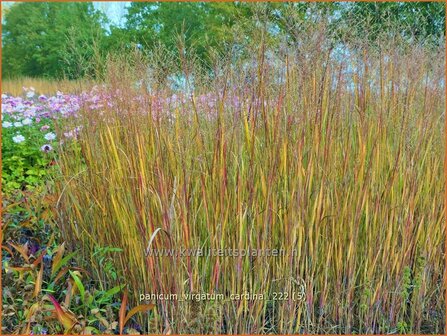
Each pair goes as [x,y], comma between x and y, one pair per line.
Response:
[410,21]
[43,39]
[201,25]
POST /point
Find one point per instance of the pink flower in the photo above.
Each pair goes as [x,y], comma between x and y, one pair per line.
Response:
[44,128]
[70,134]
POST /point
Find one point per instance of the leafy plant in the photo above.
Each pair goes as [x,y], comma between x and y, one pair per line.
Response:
[92,310]
[26,164]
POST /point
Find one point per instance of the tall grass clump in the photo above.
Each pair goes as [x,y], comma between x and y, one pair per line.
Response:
[331,155]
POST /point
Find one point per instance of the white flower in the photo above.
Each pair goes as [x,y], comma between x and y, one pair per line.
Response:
[18,138]
[4,96]
[46,148]
[6,124]
[30,94]
[50,136]
[27,121]
[18,124]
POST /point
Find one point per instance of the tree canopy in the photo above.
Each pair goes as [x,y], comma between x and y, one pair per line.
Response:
[62,39]
[42,39]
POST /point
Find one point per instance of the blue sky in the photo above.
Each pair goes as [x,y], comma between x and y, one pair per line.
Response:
[115,10]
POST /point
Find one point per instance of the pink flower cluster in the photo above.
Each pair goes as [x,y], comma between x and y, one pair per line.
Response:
[59,105]
[33,108]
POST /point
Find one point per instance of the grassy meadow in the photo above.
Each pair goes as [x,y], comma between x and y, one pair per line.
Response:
[44,86]
[340,163]
[315,168]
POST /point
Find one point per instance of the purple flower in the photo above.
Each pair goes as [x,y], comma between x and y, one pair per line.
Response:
[70,134]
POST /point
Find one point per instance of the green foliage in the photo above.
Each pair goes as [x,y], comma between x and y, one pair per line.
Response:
[25,165]
[73,39]
[45,39]
[27,213]
[78,306]
[402,327]
[207,26]
[372,21]
[204,26]
[38,268]
[103,257]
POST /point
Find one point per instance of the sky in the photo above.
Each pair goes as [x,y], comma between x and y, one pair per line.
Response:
[115,10]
